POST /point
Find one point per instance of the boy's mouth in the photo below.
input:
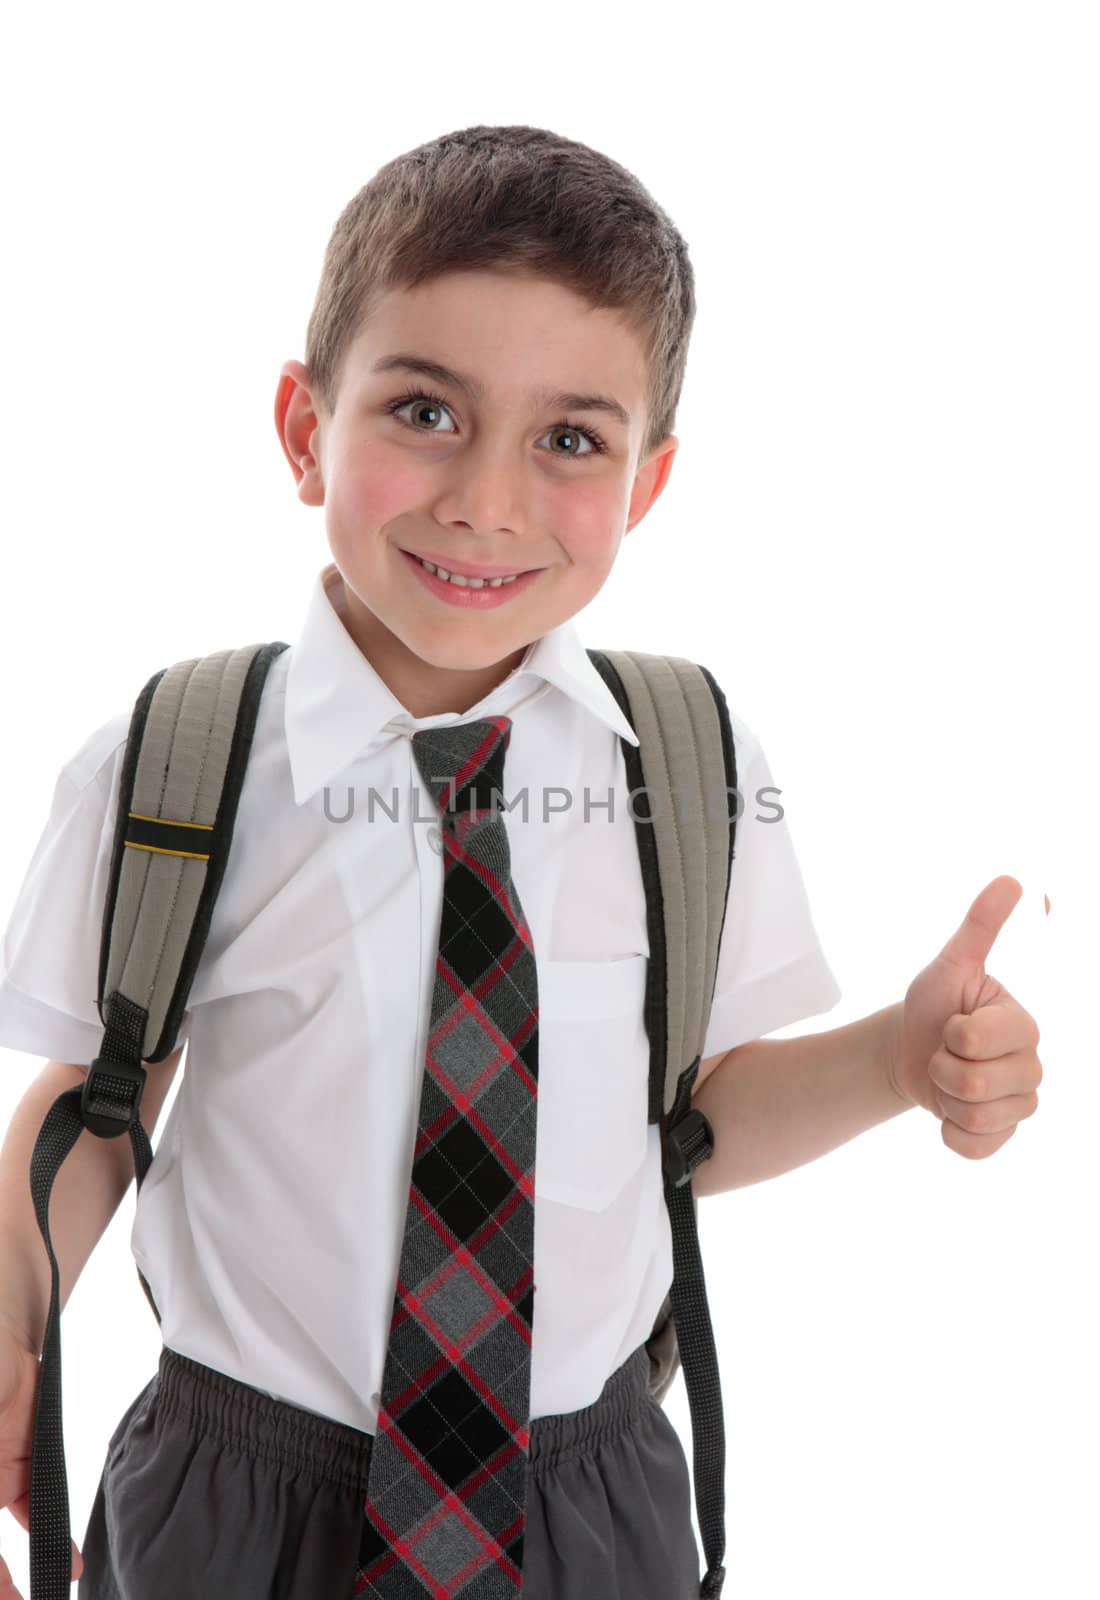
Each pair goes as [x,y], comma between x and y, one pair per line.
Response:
[479,588]
[467,572]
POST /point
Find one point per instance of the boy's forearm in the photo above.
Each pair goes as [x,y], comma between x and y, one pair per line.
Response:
[774,1104]
[90,1183]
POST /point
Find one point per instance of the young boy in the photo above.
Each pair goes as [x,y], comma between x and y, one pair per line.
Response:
[492,371]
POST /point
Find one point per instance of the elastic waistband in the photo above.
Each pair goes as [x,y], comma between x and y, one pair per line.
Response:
[623,1396]
[233,1413]
[221,1408]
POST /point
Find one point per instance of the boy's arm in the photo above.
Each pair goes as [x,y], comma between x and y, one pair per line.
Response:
[774,1104]
[87,1190]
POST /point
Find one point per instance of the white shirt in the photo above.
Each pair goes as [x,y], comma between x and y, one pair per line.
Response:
[271,1222]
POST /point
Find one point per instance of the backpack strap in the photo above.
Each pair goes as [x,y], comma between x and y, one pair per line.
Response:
[685,759]
[186,753]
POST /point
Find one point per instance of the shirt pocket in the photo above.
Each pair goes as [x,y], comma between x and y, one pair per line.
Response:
[593,1079]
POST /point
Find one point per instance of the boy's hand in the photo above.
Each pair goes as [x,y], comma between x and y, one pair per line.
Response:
[18,1392]
[964,1048]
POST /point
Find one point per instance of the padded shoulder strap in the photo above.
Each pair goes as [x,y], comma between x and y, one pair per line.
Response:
[683,782]
[186,754]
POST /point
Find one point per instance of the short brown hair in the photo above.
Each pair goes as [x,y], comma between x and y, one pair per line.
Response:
[513,198]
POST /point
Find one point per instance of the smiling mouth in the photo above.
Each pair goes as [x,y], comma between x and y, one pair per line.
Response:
[487,578]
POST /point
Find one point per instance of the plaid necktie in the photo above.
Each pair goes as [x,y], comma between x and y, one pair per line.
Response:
[445,1502]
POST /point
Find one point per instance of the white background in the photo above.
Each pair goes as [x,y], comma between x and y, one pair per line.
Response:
[879,535]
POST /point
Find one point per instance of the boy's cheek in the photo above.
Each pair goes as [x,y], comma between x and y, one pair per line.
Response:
[587,522]
[377,492]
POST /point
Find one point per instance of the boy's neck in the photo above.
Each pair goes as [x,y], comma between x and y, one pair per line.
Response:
[423,690]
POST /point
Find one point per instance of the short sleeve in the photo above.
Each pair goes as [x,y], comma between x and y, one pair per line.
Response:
[771,968]
[49,955]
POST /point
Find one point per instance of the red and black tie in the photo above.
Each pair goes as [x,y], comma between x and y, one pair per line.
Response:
[445,1504]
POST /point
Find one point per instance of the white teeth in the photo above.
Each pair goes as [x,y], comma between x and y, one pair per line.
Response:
[467,583]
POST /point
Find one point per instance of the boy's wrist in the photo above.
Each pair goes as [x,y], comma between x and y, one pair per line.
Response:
[893,1050]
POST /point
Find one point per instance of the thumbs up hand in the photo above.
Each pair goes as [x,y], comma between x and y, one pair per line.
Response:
[964,1048]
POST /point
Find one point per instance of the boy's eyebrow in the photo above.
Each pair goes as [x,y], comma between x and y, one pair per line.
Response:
[564,400]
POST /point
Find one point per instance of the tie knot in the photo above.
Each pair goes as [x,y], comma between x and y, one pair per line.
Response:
[463,764]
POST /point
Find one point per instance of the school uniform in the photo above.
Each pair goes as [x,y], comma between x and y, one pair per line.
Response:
[270,1224]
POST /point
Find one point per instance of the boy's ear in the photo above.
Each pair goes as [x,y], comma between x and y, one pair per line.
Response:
[650,480]
[296,424]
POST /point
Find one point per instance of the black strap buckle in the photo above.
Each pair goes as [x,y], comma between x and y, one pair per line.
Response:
[111,1100]
[688,1142]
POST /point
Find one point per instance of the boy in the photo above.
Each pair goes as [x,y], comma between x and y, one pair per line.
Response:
[492,370]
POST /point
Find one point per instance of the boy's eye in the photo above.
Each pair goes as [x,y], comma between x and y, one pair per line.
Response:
[422,402]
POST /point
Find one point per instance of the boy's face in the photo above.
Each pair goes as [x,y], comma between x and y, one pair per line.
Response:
[493,481]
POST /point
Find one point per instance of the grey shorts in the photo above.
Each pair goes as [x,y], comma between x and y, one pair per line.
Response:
[213,1489]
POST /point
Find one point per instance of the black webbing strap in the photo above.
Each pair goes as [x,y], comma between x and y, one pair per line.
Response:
[108,1104]
[687,1141]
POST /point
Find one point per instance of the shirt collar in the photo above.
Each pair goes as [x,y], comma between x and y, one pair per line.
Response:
[336,703]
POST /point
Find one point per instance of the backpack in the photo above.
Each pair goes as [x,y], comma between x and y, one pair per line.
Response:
[187,750]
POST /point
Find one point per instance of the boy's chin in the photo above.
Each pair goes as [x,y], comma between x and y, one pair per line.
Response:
[469,655]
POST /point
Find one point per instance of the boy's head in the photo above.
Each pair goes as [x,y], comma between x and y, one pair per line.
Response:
[542,275]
